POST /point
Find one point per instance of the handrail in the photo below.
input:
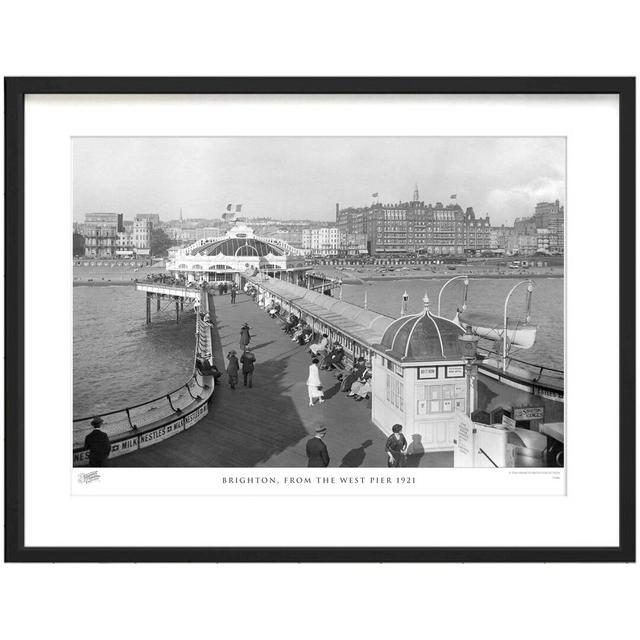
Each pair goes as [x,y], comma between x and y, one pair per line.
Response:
[135,406]
[530,364]
[164,396]
[481,450]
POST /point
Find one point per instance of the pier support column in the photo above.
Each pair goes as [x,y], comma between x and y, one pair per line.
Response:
[149,307]
[177,312]
[158,302]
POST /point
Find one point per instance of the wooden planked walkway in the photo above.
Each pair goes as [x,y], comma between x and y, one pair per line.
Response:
[269,424]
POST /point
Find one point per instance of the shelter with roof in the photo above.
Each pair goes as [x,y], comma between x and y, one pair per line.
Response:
[420,380]
[419,375]
[223,258]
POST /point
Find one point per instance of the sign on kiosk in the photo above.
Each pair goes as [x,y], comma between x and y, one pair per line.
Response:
[481,445]
[465,442]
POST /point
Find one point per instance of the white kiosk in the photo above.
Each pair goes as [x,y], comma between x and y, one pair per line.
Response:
[421,381]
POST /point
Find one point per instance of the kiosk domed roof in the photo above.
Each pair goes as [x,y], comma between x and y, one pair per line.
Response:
[422,337]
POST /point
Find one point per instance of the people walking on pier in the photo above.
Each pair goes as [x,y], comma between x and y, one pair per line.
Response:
[395,447]
[225,288]
[245,336]
[98,444]
[220,288]
[317,453]
[232,368]
[234,292]
[314,385]
[248,360]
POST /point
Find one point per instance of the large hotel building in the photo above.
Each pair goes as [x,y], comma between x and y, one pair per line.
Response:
[416,227]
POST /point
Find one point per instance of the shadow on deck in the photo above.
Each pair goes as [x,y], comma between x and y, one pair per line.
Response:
[268,425]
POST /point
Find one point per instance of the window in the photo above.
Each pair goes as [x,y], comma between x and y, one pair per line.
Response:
[395,392]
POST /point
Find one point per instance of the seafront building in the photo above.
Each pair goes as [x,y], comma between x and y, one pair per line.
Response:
[331,241]
[550,216]
[417,227]
[108,235]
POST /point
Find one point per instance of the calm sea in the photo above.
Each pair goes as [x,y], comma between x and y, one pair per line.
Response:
[486,295]
[120,361]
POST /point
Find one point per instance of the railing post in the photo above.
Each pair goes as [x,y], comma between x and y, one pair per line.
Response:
[133,426]
[171,405]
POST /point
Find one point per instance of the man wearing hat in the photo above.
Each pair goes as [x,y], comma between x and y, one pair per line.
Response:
[248,360]
[317,453]
[233,368]
[98,444]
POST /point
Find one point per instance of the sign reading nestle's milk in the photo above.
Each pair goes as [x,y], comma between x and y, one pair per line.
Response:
[464,449]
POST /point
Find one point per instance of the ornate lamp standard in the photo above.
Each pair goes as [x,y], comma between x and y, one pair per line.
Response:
[405,299]
[469,346]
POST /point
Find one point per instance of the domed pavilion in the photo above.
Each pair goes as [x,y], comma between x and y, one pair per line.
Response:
[223,258]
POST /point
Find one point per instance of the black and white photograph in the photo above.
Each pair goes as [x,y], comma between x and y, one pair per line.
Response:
[307,301]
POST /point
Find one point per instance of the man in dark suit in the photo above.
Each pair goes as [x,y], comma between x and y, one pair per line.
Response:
[248,366]
[98,444]
[317,450]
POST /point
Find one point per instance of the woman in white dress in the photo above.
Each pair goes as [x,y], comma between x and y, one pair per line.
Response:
[314,386]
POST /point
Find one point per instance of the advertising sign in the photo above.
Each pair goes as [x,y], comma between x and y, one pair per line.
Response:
[464,446]
[123,446]
[528,413]
[198,414]
[427,373]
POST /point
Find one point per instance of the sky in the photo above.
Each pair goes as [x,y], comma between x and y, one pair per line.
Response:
[304,177]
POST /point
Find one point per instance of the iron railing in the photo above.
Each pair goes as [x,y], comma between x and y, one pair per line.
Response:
[135,418]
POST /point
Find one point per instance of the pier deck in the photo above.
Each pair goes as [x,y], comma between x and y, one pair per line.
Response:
[269,424]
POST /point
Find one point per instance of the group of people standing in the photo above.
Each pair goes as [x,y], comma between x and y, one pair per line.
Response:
[246,363]
[224,288]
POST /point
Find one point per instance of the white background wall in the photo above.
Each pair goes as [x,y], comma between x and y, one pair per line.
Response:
[332,38]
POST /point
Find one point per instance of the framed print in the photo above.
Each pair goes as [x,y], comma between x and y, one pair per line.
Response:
[306,303]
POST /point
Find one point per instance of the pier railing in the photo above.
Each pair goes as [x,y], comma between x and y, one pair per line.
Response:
[135,426]
[540,373]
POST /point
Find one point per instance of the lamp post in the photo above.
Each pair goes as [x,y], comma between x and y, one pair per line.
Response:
[405,299]
[466,286]
[469,347]
[529,284]
[340,283]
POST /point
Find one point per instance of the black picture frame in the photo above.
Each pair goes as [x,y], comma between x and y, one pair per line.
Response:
[15,91]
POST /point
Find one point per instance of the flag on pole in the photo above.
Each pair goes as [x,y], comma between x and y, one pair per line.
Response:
[229,207]
[454,196]
[238,207]
[374,195]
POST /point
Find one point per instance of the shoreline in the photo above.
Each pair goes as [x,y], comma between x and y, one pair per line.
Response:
[445,276]
[102,283]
